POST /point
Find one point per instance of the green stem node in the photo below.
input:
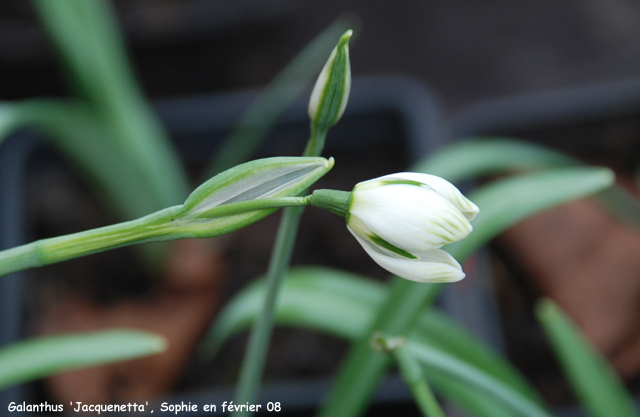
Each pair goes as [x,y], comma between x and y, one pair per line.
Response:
[336,202]
[411,372]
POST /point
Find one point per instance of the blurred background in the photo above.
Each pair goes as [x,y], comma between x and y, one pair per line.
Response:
[464,51]
[560,73]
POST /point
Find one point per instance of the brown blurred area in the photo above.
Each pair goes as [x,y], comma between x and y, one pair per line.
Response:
[589,262]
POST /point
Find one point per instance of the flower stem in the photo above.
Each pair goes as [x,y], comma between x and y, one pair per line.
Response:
[414,377]
[411,372]
[316,141]
[48,251]
[253,205]
[337,202]
[155,227]
[255,357]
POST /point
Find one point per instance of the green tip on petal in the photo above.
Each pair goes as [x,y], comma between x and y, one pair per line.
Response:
[383,243]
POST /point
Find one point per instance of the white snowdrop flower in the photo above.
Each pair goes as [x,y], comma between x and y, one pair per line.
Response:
[402,220]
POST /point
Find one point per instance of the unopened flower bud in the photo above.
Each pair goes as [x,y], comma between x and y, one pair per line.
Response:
[403,219]
[331,92]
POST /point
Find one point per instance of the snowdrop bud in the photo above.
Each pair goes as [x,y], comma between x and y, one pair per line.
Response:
[402,220]
[331,92]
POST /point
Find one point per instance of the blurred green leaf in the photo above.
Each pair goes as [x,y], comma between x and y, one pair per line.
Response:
[87,37]
[477,157]
[74,128]
[276,98]
[502,204]
[321,299]
[474,401]
[487,156]
[440,332]
[596,384]
[505,202]
[37,358]
[412,373]
[440,362]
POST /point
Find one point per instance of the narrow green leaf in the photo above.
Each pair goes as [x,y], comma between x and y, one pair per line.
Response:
[65,28]
[501,205]
[593,380]
[42,357]
[86,35]
[474,401]
[444,334]
[413,376]
[75,130]
[478,157]
[314,297]
[487,156]
[321,298]
[504,203]
[441,362]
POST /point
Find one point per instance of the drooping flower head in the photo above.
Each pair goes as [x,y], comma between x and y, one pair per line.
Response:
[403,219]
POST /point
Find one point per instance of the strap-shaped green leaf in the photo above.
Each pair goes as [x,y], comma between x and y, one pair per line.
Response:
[314,297]
[74,128]
[38,358]
[506,202]
[87,37]
[486,156]
[440,362]
[596,384]
[344,304]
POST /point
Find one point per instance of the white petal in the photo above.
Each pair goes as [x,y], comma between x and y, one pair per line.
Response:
[435,266]
[440,185]
[416,219]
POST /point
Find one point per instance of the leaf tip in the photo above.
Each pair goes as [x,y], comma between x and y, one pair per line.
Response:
[609,176]
[545,308]
[158,343]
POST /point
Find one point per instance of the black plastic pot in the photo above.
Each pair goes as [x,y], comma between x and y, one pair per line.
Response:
[13,163]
